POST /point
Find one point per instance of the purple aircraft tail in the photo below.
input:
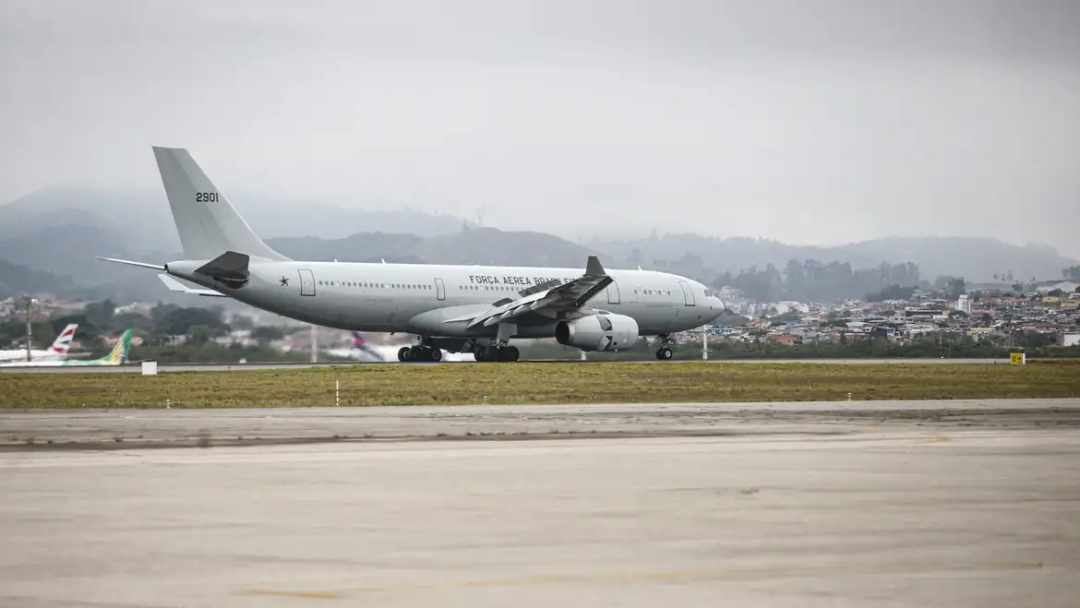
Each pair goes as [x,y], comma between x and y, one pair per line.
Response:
[360,344]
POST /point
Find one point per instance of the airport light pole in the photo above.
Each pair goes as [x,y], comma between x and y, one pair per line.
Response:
[705,343]
[314,343]
[29,326]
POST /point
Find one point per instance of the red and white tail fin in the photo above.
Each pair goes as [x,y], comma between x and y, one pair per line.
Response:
[62,344]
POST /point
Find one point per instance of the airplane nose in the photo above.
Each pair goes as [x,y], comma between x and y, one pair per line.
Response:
[716,307]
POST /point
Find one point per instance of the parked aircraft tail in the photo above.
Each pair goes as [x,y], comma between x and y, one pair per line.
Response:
[208,225]
[62,344]
[359,343]
[120,352]
[117,356]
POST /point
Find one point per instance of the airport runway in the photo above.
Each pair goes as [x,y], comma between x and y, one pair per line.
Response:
[233,367]
[906,505]
[128,428]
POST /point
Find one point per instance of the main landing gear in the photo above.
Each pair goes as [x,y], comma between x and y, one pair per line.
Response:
[494,352]
[424,351]
[664,352]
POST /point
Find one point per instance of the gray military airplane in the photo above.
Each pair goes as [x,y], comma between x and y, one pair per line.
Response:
[474,309]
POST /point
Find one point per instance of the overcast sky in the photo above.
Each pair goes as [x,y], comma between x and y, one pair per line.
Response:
[820,121]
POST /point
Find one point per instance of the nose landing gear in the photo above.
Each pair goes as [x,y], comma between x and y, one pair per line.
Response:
[664,353]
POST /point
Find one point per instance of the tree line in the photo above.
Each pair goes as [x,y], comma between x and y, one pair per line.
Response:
[814,280]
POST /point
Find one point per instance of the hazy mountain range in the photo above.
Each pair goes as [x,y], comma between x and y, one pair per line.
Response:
[49,240]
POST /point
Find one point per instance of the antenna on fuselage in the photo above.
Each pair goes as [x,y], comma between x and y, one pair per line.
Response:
[383,260]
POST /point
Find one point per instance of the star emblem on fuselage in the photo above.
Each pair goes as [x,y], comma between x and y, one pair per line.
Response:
[284,282]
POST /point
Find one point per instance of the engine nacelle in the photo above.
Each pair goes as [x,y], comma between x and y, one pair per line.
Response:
[598,332]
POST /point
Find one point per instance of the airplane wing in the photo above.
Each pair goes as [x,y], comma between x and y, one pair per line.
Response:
[175,285]
[547,299]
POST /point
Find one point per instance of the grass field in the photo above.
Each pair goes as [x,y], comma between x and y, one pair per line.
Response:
[539,383]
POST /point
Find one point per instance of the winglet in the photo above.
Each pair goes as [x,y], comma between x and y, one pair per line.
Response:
[593,268]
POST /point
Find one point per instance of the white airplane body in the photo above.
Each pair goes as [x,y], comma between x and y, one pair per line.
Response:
[57,352]
[474,309]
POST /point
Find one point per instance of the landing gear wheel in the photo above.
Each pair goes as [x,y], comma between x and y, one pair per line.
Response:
[424,353]
[404,354]
[664,354]
[511,353]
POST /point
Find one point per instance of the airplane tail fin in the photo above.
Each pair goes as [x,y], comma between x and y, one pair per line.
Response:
[208,225]
[119,353]
[360,344]
[62,344]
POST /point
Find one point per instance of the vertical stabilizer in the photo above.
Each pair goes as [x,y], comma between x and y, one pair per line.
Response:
[208,225]
[119,353]
[62,344]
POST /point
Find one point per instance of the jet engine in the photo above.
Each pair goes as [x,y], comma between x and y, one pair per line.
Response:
[598,332]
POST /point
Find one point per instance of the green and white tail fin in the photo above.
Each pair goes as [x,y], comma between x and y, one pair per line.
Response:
[119,353]
[208,225]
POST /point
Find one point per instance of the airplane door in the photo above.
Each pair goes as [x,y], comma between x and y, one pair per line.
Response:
[687,292]
[440,289]
[613,293]
[307,282]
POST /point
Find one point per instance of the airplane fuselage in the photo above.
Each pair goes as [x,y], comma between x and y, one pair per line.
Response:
[421,298]
[35,355]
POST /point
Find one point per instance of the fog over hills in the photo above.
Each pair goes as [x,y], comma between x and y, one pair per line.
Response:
[975,258]
[146,222]
[49,242]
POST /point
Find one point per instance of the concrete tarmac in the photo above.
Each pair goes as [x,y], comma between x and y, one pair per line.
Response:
[240,367]
[906,504]
[127,428]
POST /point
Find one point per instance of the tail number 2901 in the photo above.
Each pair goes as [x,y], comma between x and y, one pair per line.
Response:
[206,197]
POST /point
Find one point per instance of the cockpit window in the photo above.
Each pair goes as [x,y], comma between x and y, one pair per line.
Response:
[708,293]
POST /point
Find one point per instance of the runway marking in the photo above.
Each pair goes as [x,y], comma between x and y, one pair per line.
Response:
[313,595]
[934,440]
[658,577]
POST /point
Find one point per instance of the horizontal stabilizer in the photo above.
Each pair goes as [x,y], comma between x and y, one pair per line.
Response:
[130,263]
[230,268]
[179,287]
